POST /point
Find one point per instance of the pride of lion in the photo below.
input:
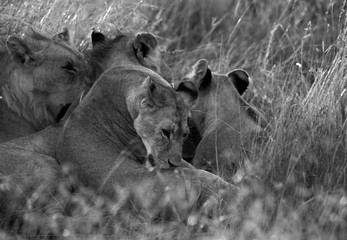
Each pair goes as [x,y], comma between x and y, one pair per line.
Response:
[113,116]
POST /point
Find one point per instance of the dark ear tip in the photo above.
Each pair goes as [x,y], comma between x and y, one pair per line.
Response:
[239,73]
[203,61]
[145,34]
[240,79]
[147,38]
[66,31]
[97,37]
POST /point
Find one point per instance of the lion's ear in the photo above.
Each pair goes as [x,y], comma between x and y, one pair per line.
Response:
[202,75]
[19,51]
[240,79]
[147,50]
[31,33]
[150,88]
[97,38]
[188,92]
[154,97]
[64,36]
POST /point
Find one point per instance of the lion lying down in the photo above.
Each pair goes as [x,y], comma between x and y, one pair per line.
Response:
[226,123]
[131,108]
[41,77]
[130,114]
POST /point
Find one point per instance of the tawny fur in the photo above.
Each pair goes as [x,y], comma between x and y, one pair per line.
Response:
[43,76]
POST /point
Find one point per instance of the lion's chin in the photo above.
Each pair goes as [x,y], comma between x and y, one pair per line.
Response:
[162,164]
[152,156]
[155,161]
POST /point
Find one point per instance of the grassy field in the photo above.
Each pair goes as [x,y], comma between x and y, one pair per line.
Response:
[295,51]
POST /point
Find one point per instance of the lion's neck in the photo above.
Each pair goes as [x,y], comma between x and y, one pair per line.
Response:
[19,96]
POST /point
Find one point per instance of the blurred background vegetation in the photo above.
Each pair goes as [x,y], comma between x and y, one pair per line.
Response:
[295,53]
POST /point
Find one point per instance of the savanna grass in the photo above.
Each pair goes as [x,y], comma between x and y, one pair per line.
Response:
[295,177]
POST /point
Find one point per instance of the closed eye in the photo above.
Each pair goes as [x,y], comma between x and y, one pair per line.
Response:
[166,133]
[69,67]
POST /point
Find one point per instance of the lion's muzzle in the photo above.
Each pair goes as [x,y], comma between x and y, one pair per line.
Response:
[156,161]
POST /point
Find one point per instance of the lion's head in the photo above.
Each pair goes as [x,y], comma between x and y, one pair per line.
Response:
[48,75]
[142,49]
[161,121]
[224,121]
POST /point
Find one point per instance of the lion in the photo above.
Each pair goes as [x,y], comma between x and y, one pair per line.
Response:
[40,84]
[142,49]
[223,122]
[128,132]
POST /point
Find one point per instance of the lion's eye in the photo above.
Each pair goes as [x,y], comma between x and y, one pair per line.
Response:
[69,67]
[166,133]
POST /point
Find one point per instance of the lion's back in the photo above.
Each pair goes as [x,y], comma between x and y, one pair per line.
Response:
[129,72]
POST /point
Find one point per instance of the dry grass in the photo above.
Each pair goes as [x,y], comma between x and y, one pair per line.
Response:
[296,184]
